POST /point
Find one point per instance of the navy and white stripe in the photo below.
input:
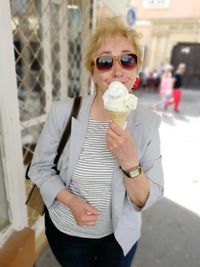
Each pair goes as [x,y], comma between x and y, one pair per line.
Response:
[91,180]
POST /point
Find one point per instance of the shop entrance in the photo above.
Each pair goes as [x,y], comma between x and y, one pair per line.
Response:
[188,53]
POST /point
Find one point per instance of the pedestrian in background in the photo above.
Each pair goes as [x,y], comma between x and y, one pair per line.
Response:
[177,90]
[166,86]
[108,175]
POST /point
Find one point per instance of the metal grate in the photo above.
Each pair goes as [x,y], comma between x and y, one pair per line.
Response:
[49,40]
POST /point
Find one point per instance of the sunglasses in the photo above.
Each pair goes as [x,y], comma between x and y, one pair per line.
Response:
[127,61]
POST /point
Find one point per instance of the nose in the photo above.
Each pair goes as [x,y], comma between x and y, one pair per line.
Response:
[117,68]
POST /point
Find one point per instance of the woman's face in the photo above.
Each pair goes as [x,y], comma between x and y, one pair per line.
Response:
[114,46]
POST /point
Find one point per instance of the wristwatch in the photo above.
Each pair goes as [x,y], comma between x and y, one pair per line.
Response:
[133,172]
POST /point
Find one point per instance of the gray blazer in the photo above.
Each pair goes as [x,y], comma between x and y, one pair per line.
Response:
[143,124]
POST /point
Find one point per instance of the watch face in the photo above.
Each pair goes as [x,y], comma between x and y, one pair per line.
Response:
[134,173]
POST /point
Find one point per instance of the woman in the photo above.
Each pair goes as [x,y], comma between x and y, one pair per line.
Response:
[93,215]
[166,85]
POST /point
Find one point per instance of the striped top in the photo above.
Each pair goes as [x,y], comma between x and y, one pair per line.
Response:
[91,180]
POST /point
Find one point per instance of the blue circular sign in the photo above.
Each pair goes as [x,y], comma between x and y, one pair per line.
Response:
[131,17]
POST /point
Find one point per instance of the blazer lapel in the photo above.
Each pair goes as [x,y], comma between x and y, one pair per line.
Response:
[78,132]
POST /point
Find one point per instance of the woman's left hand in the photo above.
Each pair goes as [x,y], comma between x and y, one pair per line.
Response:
[121,143]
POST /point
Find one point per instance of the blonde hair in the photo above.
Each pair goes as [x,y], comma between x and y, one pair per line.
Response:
[111,27]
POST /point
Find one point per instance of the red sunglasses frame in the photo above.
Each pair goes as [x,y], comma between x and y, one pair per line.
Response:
[118,59]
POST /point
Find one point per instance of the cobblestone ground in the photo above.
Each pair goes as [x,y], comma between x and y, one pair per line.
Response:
[170,234]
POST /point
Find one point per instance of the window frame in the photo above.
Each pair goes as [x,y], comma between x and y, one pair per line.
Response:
[156,4]
[12,159]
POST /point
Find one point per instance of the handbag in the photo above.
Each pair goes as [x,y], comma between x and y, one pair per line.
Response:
[34,199]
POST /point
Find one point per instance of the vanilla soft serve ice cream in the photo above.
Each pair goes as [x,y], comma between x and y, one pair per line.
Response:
[119,102]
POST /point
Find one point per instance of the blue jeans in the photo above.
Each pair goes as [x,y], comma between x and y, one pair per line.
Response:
[72,251]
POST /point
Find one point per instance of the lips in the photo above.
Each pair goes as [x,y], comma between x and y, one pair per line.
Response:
[124,82]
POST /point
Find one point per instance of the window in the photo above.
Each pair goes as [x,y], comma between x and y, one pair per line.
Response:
[149,4]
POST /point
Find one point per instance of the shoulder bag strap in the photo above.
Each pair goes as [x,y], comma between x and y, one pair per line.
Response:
[65,136]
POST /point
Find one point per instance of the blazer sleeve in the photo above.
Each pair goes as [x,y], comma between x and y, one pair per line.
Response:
[41,172]
[151,163]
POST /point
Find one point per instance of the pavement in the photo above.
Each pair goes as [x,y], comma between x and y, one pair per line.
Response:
[170,234]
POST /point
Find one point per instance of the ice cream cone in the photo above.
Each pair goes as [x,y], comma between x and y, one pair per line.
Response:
[119,117]
[119,102]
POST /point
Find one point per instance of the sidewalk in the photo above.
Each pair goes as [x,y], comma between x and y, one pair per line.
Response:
[170,235]
[179,147]
[171,228]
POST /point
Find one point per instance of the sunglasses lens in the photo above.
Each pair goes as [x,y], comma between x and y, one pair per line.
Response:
[129,61]
[104,63]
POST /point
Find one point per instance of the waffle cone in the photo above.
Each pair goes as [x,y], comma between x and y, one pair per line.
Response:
[119,117]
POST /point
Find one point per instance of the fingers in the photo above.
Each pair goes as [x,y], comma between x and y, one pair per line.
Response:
[88,219]
[91,224]
[116,129]
[121,143]
[116,137]
[83,212]
[116,132]
[90,209]
[90,216]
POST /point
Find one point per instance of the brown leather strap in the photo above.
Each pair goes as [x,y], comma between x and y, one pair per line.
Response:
[67,131]
[65,135]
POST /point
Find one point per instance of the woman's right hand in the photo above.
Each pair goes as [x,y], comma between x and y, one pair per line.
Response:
[83,212]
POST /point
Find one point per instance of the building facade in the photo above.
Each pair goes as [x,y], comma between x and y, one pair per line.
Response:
[171,33]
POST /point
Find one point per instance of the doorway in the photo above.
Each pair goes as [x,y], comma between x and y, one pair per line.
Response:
[188,53]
